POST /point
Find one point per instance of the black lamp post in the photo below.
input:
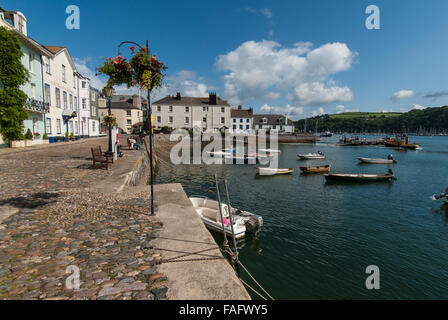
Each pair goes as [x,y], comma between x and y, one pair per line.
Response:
[109,92]
[149,122]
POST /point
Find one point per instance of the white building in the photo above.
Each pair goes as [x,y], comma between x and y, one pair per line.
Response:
[84,105]
[271,122]
[242,120]
[61,91]
[205,114]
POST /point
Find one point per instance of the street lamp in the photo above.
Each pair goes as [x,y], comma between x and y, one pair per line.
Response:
[108,93]
[149,124]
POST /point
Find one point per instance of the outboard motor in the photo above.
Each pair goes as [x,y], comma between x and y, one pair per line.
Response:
[253,224]
[390,172]
[390,157]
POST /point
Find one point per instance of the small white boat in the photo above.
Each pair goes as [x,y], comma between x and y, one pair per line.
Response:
[269,151]
[312,156]
[389,160]
[272,171]
[243,221]
[443,196]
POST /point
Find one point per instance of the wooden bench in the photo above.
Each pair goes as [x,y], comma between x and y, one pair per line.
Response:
[101,158]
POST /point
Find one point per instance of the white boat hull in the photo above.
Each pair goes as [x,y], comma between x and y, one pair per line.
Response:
[376,161]
[311,156]
[272,172]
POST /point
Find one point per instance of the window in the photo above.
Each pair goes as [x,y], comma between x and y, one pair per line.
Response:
[31,60]
[63,73]
[33,91]
[241,120]
[223,109]
[70,125]
[58,126]
[47,93]
[83,84]
[205,109]
[264,120]
[47,65]
[204,119]
[76,127]
[170,119]
[234,126]
[129,122]
[247,120]
[247,127]
[159,108]
[21,25]
[241,126]
[84,103]
[223,120]
[64,94]
[48,125]
[58,97]
[76,103]
[93,126]
[71,102]
[187,120]
[159,119]
[93,110]
[170,109]
[128,113]
[234,120]
[187,109]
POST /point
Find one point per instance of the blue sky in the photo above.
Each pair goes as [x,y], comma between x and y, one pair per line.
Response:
[301,57]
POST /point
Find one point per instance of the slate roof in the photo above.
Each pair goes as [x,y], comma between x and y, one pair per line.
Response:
[240,113]
[189,101]
[121,105]
[273,119]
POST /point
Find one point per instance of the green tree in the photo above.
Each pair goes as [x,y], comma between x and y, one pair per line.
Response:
[12,75]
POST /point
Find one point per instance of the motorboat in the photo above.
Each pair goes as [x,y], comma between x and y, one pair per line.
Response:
[390,159]
[243,221]
[327,134]
[312,156]
[316,169]
[443,196]
[217,154]
[360,177]
[262,158]
[272,171]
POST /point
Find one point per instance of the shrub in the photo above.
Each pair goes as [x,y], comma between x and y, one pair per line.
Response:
[66,135]
[45,136]
[28,135]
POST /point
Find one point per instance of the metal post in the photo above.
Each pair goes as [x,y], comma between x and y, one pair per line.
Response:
[149,114]
[110,125]
[236,263]
[226,244]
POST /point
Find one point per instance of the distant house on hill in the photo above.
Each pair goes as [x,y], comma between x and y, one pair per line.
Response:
[242,120]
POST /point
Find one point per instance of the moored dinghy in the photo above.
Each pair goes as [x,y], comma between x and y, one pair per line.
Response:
[390,159]
[443,196]
[360,177]
[312,156]
[316,169]
[243,221]
[272,171]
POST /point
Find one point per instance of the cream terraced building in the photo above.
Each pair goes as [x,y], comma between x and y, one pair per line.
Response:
[204,114]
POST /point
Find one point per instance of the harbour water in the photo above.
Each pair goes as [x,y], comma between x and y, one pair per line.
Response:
[319,238]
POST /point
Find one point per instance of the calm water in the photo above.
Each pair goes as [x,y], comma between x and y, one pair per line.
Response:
[318,238]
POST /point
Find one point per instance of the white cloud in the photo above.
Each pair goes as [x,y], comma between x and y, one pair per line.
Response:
[289,110]
[266,12]
[340,108]
[264,70]
[418,107]
[84,69]
[402,94]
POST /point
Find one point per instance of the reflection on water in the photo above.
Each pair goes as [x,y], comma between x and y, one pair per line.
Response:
[318,238]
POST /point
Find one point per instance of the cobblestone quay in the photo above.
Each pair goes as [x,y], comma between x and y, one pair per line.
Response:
[52,224]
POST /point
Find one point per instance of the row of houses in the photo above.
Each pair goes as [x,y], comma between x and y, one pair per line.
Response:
[60,99]
[214,113]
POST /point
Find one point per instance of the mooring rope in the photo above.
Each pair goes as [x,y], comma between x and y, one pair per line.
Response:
[259,285]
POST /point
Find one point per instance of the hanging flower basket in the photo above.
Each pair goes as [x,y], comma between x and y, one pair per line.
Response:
[109,120]
[142,70]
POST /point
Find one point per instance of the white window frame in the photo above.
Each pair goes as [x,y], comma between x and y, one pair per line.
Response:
[64,74]
[48,125]
[57,93]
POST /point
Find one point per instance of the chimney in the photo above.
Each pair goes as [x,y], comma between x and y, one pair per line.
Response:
[178,97]
[136,101]
[239,107]
[251,111]
[212,98]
